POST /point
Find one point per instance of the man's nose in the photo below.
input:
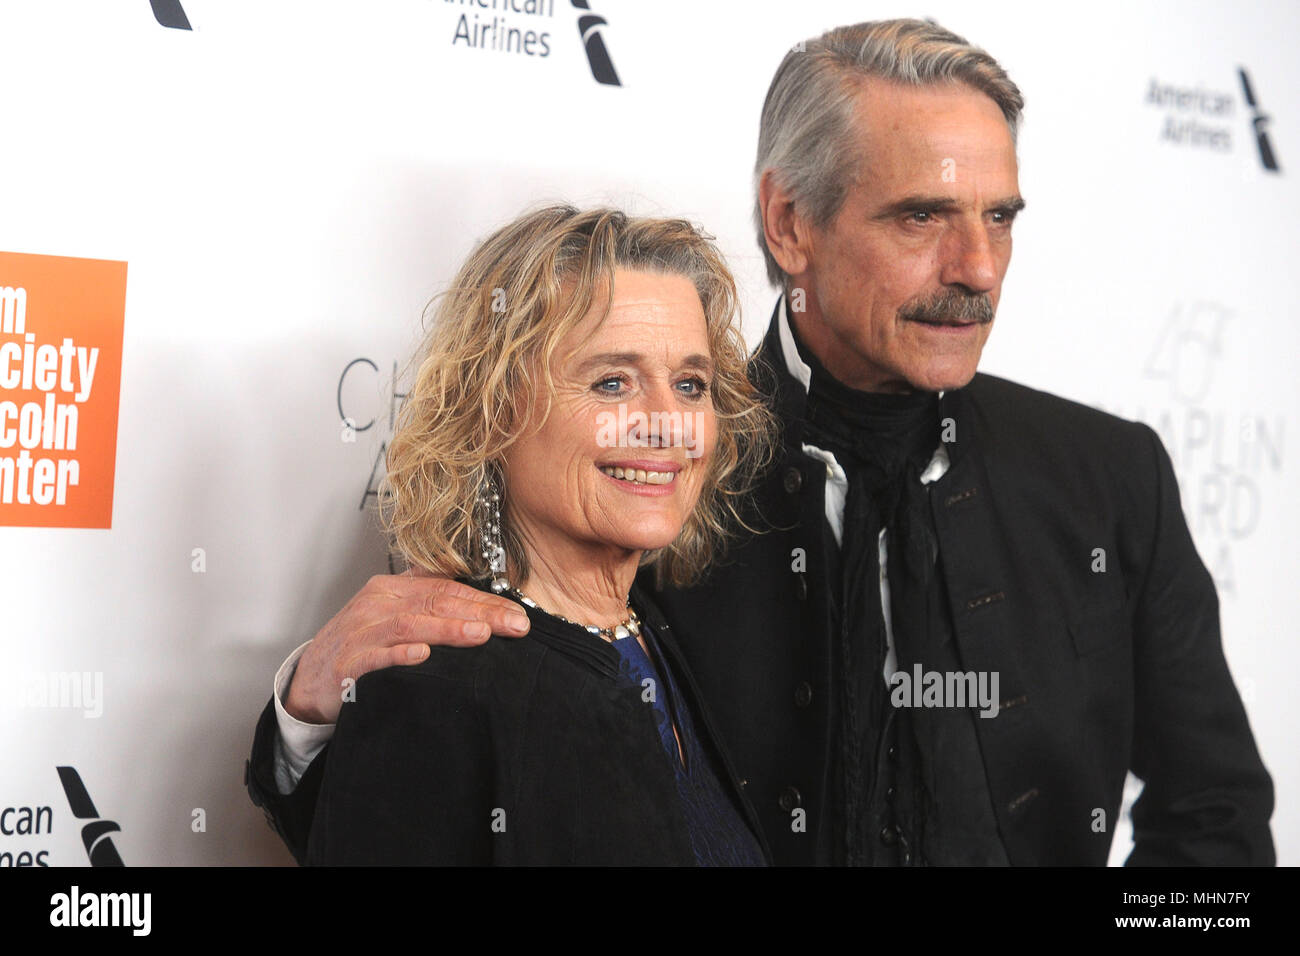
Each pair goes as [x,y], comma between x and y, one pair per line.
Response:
[969,259]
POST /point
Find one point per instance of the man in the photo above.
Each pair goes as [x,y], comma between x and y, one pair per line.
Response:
[1022,560]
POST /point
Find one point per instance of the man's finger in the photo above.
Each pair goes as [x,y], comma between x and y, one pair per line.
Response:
[377,658]
[508,620]
[412,627]
[442,597]
[503,617]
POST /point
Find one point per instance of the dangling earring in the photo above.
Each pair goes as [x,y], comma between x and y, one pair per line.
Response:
[489,501]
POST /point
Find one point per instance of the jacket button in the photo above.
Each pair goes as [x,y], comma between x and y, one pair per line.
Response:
[803,694]
[790,798]
[888,835]
[892,753]
[801,586]
[793,480]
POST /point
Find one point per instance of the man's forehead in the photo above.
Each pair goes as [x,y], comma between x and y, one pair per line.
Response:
[933,135]
[901,106]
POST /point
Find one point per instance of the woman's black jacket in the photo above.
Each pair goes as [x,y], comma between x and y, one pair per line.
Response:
[522,751]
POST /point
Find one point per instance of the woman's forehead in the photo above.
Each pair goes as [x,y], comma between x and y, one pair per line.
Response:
[652,314]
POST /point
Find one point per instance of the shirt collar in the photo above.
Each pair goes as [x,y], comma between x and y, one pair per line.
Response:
[789,351]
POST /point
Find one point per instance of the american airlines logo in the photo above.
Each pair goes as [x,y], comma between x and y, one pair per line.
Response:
[170,13]
[496,35]
[1259,122]
[602,67]
[95,834]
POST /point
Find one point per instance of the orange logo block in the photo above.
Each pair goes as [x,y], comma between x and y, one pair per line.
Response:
[60,372]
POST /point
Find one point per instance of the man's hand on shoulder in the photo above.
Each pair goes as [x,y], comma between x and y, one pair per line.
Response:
[392,621]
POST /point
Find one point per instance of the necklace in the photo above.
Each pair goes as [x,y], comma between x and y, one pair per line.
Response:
[630,627]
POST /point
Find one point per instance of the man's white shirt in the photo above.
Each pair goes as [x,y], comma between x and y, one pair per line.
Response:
[298,743]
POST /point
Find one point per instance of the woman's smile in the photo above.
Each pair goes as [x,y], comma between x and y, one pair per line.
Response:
[654,478]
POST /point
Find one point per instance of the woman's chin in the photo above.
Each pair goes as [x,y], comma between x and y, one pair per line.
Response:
[646,539]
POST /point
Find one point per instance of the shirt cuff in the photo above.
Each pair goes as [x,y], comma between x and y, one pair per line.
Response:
[298,742]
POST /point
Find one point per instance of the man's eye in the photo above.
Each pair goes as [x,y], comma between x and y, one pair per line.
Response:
[921,215]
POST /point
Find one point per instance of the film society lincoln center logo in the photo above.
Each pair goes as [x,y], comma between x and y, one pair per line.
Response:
[60,369]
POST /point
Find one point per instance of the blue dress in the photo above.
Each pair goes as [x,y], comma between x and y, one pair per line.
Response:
[718,833]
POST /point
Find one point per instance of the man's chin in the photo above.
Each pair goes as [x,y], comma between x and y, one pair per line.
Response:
[943,379]
[953,384]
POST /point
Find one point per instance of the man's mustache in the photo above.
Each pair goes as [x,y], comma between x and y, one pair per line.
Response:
[950,306]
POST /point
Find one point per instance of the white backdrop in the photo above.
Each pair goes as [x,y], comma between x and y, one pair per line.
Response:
[290,182]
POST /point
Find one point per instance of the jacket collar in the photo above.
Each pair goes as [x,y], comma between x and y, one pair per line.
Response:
[710,736]
[569,640]
[576,643]
[772,376]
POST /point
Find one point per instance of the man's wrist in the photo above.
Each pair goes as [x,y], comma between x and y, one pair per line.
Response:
[298,741]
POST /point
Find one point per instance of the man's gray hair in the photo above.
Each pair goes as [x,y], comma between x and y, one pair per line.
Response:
[807,132]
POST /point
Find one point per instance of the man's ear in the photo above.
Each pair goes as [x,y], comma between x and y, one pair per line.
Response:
[787,233]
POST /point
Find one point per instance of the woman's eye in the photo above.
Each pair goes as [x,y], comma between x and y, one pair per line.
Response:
[611,386]
[694,387]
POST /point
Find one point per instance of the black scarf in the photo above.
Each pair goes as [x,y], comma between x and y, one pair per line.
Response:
[883,442]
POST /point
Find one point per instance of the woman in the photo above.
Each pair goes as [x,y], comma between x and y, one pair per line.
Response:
[581,410]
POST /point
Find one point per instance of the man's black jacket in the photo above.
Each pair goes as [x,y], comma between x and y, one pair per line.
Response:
[1100,671]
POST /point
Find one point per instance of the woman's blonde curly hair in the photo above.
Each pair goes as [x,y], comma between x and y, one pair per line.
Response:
[484,368]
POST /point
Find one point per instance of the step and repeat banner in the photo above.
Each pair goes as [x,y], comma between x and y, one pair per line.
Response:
[221,220]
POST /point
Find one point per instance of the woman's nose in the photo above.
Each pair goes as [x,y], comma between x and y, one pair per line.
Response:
[653,419]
